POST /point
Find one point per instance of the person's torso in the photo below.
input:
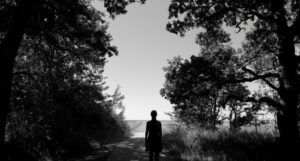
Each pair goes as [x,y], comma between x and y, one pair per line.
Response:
[154,128]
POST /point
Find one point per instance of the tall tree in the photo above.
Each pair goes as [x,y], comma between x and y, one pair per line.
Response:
[197,90]
[56,20]
[275,34]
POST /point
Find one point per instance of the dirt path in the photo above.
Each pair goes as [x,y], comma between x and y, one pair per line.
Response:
[132,150]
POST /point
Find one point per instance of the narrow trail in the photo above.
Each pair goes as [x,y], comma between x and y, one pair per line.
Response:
[132,149]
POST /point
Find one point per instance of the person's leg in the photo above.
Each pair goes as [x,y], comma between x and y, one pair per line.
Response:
[156,156]
[150,155]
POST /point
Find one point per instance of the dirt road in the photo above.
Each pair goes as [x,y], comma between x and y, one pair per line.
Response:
[133,150]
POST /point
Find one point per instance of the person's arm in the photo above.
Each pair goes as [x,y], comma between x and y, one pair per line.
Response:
[160,133]
[146,133]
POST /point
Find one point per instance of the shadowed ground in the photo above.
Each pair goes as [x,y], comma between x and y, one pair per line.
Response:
[132,150]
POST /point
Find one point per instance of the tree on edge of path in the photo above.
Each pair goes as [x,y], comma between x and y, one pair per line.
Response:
[275,35]
[51,20]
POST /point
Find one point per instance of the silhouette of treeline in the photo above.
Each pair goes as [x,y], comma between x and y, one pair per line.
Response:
[204,85]
[52,90]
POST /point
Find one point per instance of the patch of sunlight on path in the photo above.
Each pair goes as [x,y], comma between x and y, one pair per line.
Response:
[133,149]
[138,135]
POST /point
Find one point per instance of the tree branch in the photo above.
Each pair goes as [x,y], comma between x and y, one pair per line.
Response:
[262,17]
[215,15]
[251,79]
[266,100]
[262,78]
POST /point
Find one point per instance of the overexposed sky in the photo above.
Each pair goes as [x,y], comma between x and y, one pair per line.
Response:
[144,46]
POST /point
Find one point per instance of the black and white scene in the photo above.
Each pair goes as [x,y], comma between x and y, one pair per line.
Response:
[150,80]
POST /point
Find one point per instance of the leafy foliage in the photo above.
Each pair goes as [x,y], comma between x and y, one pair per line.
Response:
[268,54]
[58,102]
[200,87]
[53,55]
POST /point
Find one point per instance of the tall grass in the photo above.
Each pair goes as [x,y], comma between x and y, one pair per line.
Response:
[191,144]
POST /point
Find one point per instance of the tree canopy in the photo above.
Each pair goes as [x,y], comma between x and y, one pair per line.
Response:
[199,88]
[268,53]
[52,58]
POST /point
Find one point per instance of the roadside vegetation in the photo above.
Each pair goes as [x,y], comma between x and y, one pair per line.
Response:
[198,144]
[217,79]
[54,104]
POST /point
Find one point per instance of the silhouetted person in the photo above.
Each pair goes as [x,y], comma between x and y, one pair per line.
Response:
[153,137]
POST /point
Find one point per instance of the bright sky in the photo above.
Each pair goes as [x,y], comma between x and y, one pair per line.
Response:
[144,46]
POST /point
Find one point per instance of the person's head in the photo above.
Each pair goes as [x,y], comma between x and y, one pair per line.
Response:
[153,114]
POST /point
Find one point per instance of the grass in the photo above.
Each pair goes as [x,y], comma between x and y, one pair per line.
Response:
[191,144]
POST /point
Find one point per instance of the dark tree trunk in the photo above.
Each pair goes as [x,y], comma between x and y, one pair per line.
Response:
[288,84]
[8,51]
[287,116]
